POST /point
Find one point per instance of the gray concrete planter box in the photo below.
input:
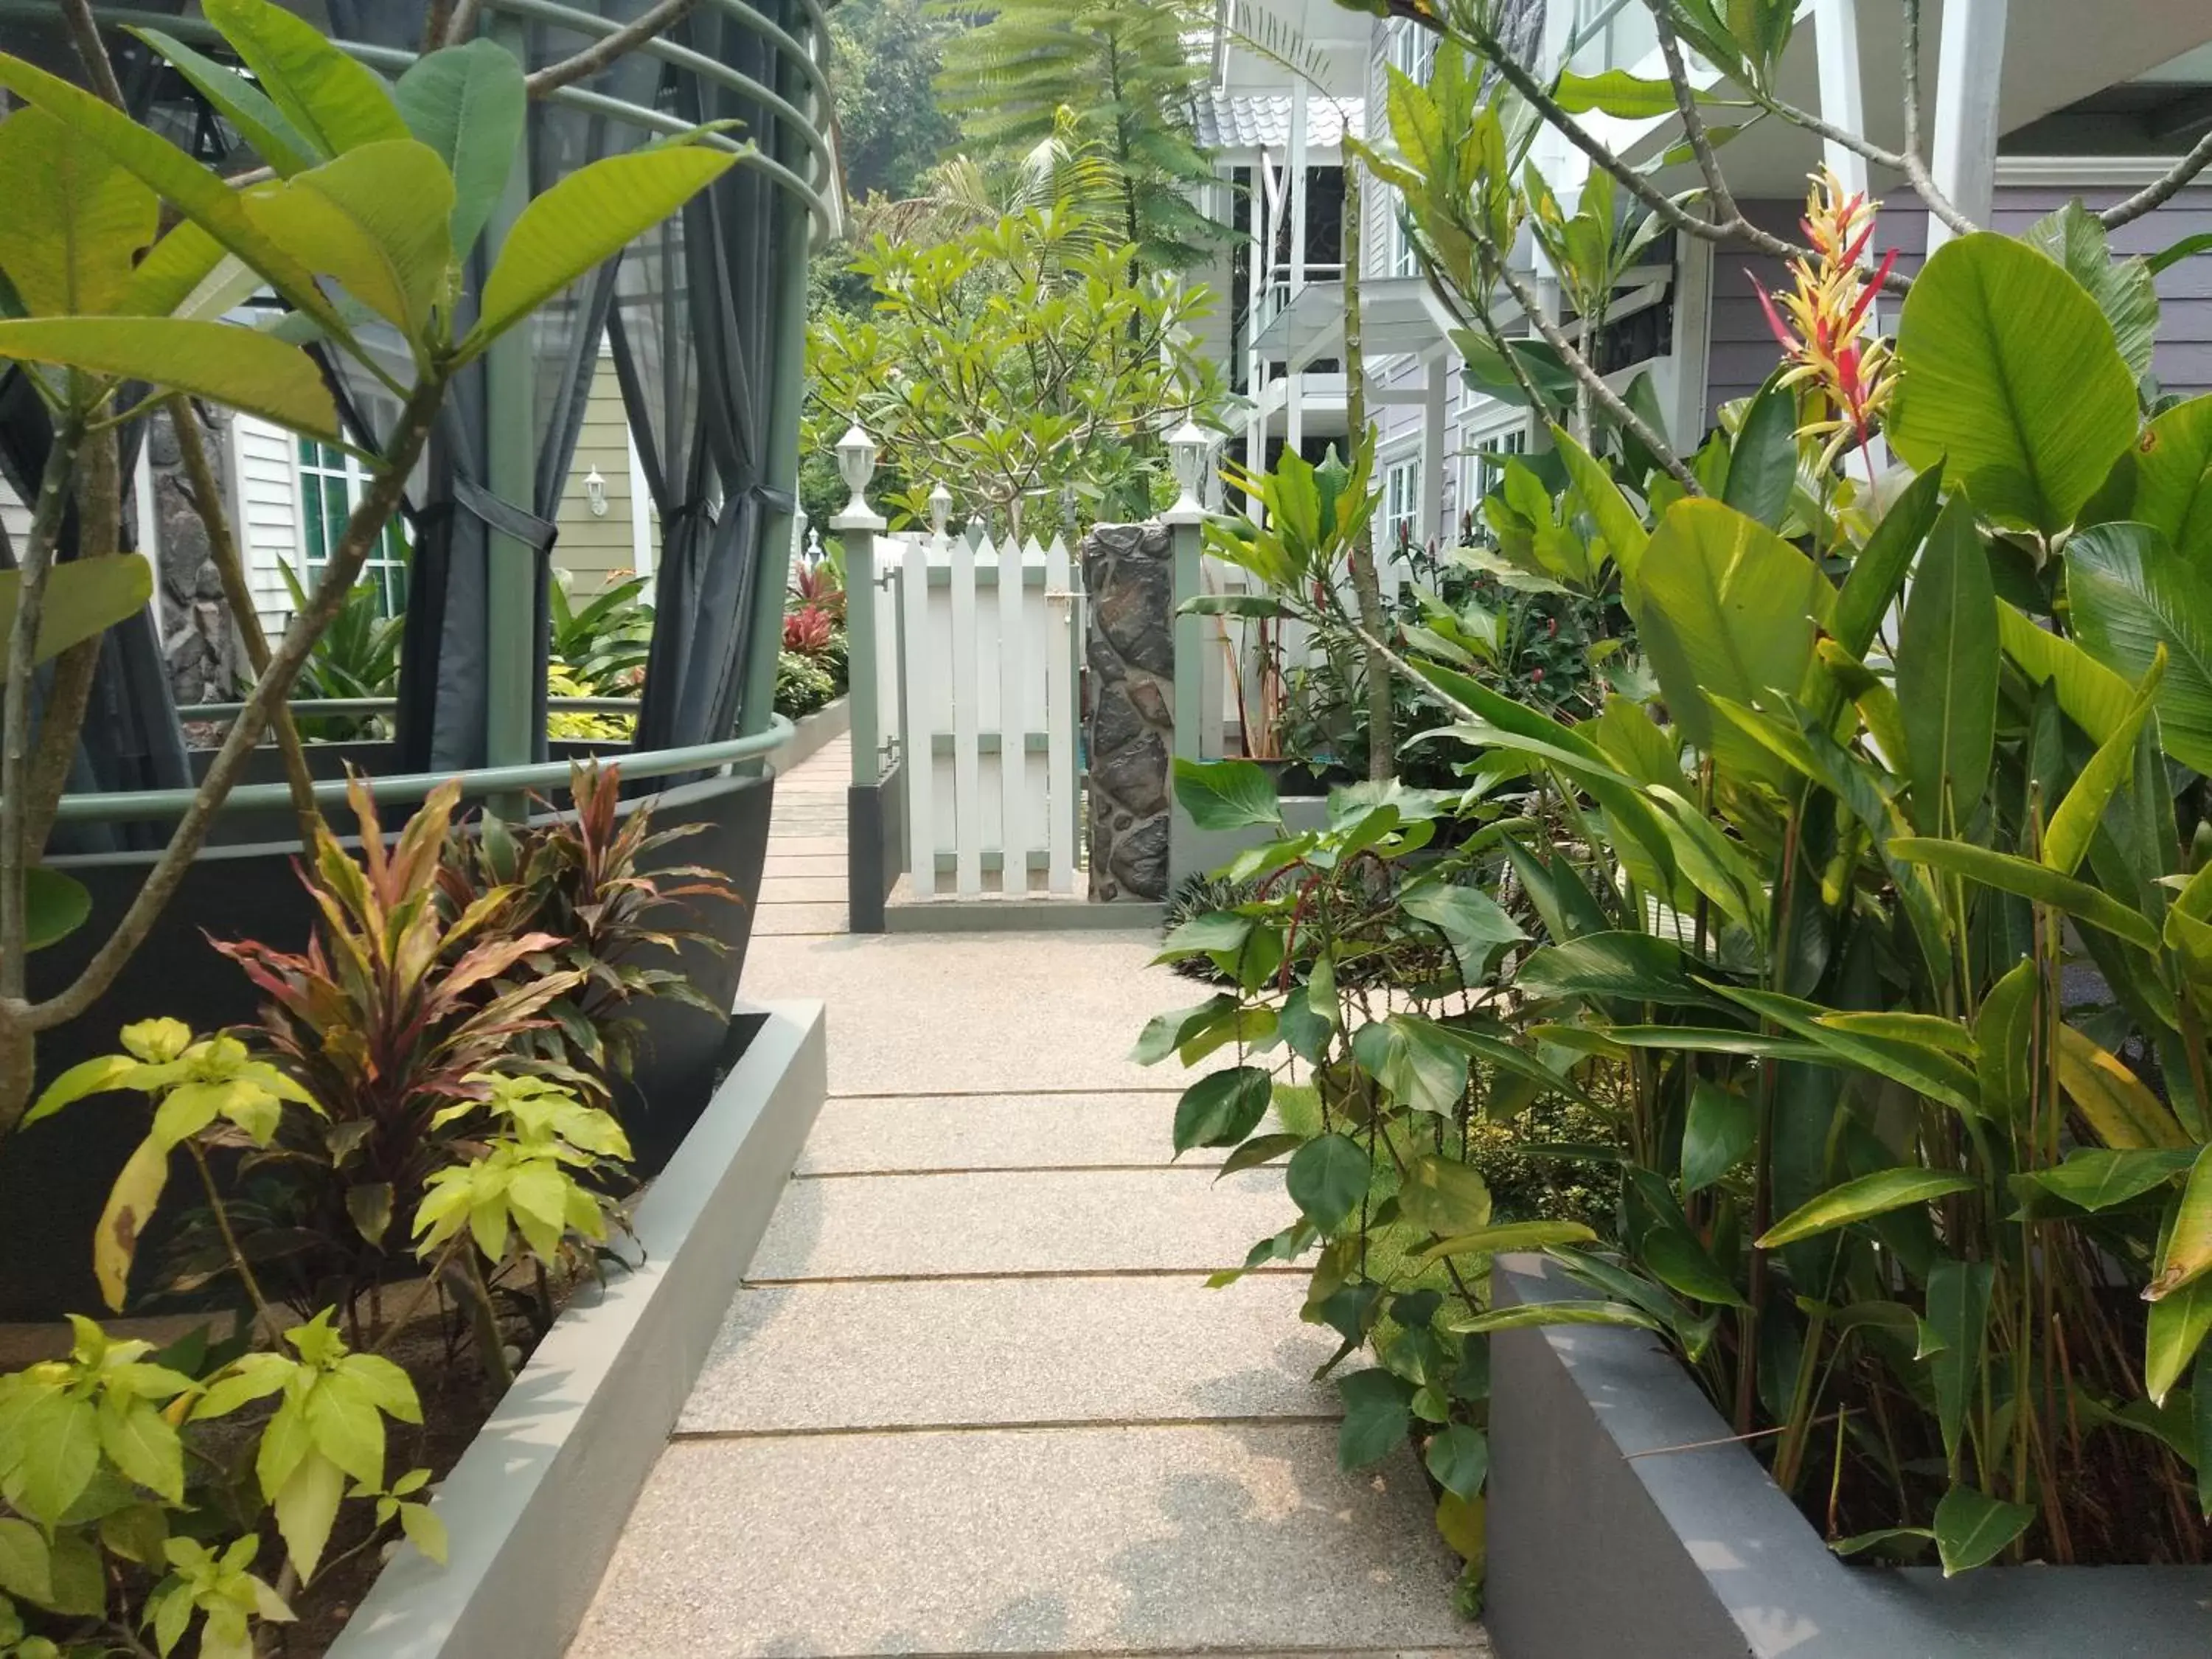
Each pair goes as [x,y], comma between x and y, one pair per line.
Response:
[1605,1544]
[537,1500]
[812,733]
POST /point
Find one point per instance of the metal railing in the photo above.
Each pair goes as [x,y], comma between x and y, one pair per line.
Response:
[813,129]
[115,805]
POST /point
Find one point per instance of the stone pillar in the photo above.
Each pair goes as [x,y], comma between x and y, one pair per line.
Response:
[1128,572]
[198,636]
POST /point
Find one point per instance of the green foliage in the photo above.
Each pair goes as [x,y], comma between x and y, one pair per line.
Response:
[804,683]
[604,642]
[1125,71]
[581,878]
[891,128]
[1025,364]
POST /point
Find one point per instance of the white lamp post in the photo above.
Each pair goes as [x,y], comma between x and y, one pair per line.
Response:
[856,465]
[1188,447]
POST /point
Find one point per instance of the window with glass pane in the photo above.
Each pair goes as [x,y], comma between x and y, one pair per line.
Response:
[1401,504]
[1486,462]
[332,483]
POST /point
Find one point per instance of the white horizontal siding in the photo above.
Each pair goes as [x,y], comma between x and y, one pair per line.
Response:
[15,517]
[266,466]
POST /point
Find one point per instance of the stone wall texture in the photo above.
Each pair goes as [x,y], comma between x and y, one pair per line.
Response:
[1128,571]
[199,638]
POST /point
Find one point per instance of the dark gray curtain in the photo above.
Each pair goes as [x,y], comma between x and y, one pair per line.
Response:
[694,340]
[444,694]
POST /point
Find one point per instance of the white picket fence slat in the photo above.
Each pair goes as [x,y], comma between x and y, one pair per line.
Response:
[983,675]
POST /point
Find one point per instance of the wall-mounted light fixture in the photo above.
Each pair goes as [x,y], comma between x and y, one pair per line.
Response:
[595,492]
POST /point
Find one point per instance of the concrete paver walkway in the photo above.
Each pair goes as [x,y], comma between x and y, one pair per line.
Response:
[975,1397]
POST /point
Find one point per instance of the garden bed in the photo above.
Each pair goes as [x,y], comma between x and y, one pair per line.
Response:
[534,1506]
[1625,1519]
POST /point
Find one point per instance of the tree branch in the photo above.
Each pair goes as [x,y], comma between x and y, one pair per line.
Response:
[1693,121]
[15,853]
[1736,229]
[68,693]
[377,503]
[461,27]
[595,57]
[1604,395]
[2162,190]
[84,35]
[206,495]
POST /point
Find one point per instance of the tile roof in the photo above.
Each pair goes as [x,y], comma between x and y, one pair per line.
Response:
[1239,120]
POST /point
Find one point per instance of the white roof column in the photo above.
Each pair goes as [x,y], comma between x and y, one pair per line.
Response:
[1964,157]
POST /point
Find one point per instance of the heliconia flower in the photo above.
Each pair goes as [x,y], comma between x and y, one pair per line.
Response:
[1848,371]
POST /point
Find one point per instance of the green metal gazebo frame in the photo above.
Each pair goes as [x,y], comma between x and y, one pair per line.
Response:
[707,315]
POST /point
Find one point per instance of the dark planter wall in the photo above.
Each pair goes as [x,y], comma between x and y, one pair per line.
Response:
[1128,571]
[54,1177]
[1609,1541]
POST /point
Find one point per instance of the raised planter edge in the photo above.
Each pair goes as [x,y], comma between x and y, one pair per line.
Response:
[812,733]
[1607,1537]
[537,1502]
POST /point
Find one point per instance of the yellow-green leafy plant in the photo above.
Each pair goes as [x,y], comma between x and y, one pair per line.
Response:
[123,252]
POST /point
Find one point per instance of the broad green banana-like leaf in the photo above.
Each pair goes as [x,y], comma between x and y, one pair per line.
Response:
[333,101]
[1947,674]
[2111,1099]
[468,104]
[2123,288]
[176,178]
[2008,873]
[2173,478]
[2188,1252]
[377,219]
[587,218]
[236,367]
[243,104]
[1723,604]
[74,220]
[2092,696]
[1863,1199]
[1879,570]
[84,598]
[2010,371]
[1762,472]
[2066,838]
[2133,597]
[1621,525]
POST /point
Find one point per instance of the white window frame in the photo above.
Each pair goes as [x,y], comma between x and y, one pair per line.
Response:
[1484,452]
[1400,506]
[388,561]
[1412,53]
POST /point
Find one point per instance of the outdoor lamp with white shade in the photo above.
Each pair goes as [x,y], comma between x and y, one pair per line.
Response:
[1188,447]
[856,465]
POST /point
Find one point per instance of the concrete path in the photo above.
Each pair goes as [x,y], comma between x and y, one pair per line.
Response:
[975,1397]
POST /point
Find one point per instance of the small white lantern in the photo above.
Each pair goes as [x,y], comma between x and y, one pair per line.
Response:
[856,465]
[940,509]
[1189,448]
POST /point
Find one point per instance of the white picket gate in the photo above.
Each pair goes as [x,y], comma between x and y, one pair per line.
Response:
[987,712]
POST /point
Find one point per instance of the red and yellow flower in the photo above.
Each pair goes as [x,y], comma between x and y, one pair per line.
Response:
[1837,359]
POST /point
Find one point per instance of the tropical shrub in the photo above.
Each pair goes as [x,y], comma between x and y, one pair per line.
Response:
[803,683]
[1871,931]
[124,249]
[1390,1018]
[579,878]
[602,645]
[356,657]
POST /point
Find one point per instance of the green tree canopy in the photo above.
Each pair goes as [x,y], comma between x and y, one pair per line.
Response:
[890,127]
[1125,68]
[1023,363]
